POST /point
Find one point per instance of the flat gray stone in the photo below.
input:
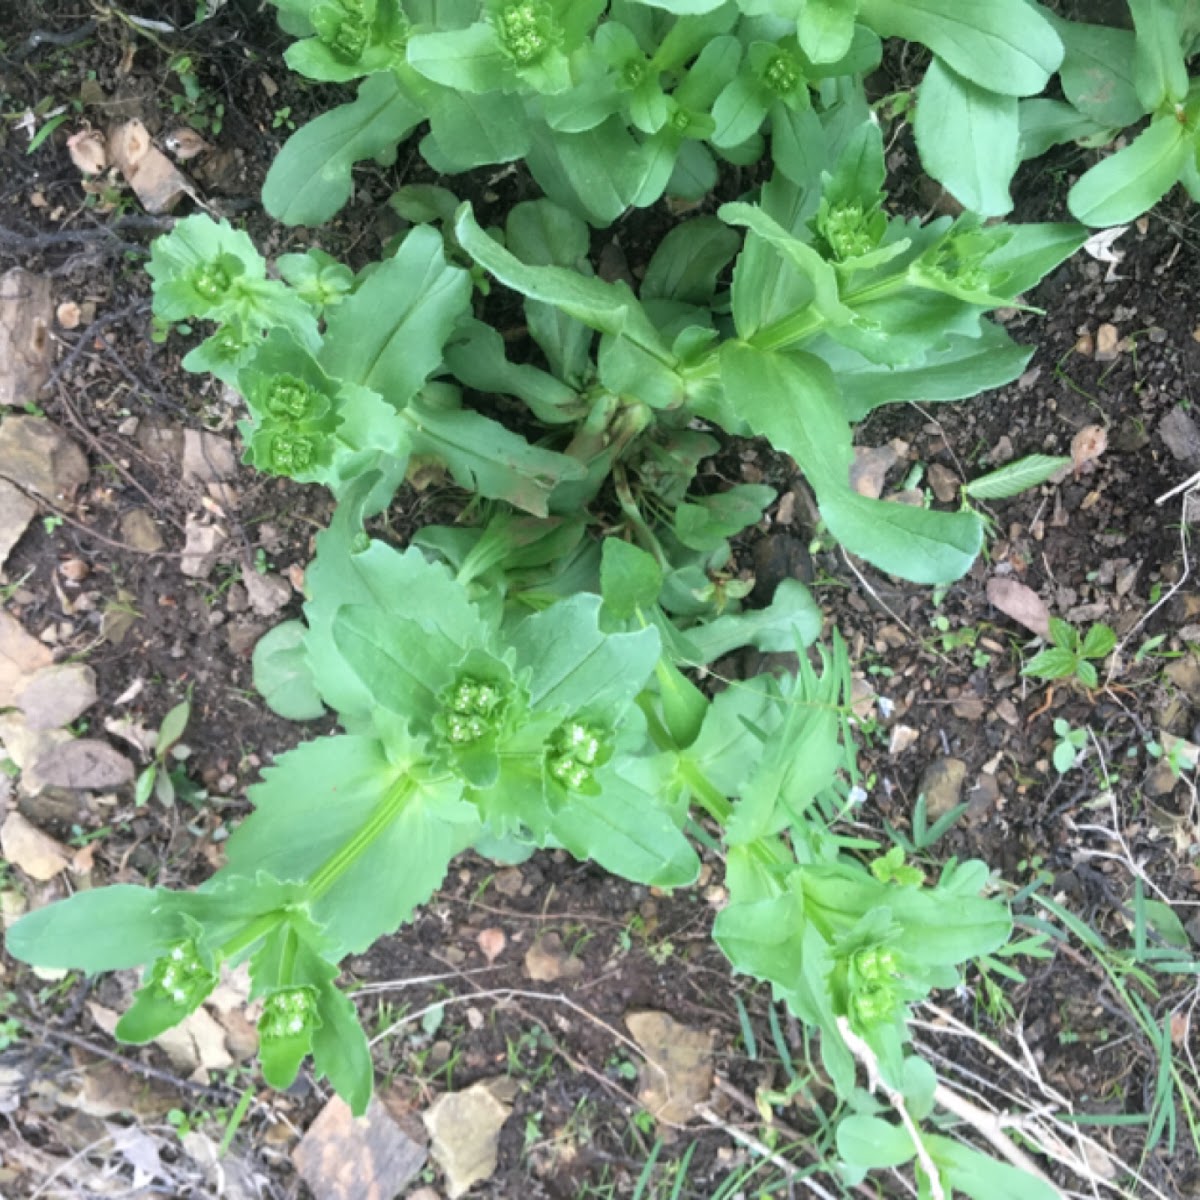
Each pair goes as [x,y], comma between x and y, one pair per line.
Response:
[202,549]
[55,696]
[207,458]
[16,511]
[86,763]
[139,531]
[36,455]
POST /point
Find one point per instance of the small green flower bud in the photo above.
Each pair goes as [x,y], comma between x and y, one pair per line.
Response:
[528,31]
[289,398]
[472,709]
[877,965]
[288,1014]
[873,1006]
[211,281]
[292,453]
[576,750]
[181,976]
[344,26]
[781,74]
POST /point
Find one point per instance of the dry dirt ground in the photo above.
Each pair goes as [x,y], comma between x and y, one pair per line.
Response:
[527,975]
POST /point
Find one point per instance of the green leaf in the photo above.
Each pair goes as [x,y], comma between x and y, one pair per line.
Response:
[1166,923]
[352,569]
[1016,477]
[1047,123]
[689,260]
[871,1143]
[626,829]
[1064,756]
[106,929]
[1054,663]
[968,138]
[467,130]
[706,523]
[826,29]
[1099,642]
[172,727]
[1097,72]
[793,615]
[282,675]
[369,841]
[1127,183]
[1063,634]
[341,1052]
[404,664]
[965,367]
[388,335]
[465,60]
[984,1177]
[1004,46]
[310,177]
[608,307]
[483,456]
[1159,67]
[791,399]
[573,665]
[630,579]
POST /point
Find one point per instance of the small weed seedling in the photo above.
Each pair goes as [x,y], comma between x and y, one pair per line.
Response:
[1073,657]
[156,778]
[1068,746]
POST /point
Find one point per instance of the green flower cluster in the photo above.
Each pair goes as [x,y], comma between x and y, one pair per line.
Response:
[181,977]
[576,750]
[528,31]
[871,979]
[294,423]
[472,709]
[850,230]
[288,1014]
[344,26]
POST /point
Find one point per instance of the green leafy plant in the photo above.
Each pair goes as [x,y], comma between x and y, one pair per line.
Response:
[1071,656]
[611,104]
[1112,79]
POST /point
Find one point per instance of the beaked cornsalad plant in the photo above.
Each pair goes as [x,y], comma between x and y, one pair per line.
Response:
[515,680]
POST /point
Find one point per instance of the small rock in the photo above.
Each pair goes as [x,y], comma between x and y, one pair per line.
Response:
[902,738]
[944,482]
[547,960]
[508,882]
[20,656]
[983,798]
[1002,452]
[16,511]
[1107,343]
[942,786]
[37,456]
[1181,436]
[1184,673]
[491,943]
[139,531]
[464,1128]
[869,470]
[267,593]
[86,763]
[678,1071]
[160,442]
[26,351]
[202,548]
[36,853]
[206,457]
[159,186]
[57,695]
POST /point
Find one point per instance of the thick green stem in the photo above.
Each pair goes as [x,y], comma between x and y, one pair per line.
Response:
[343,858]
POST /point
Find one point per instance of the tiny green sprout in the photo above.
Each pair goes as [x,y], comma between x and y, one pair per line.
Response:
[1068,746]
[1069,654]
[891,868]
